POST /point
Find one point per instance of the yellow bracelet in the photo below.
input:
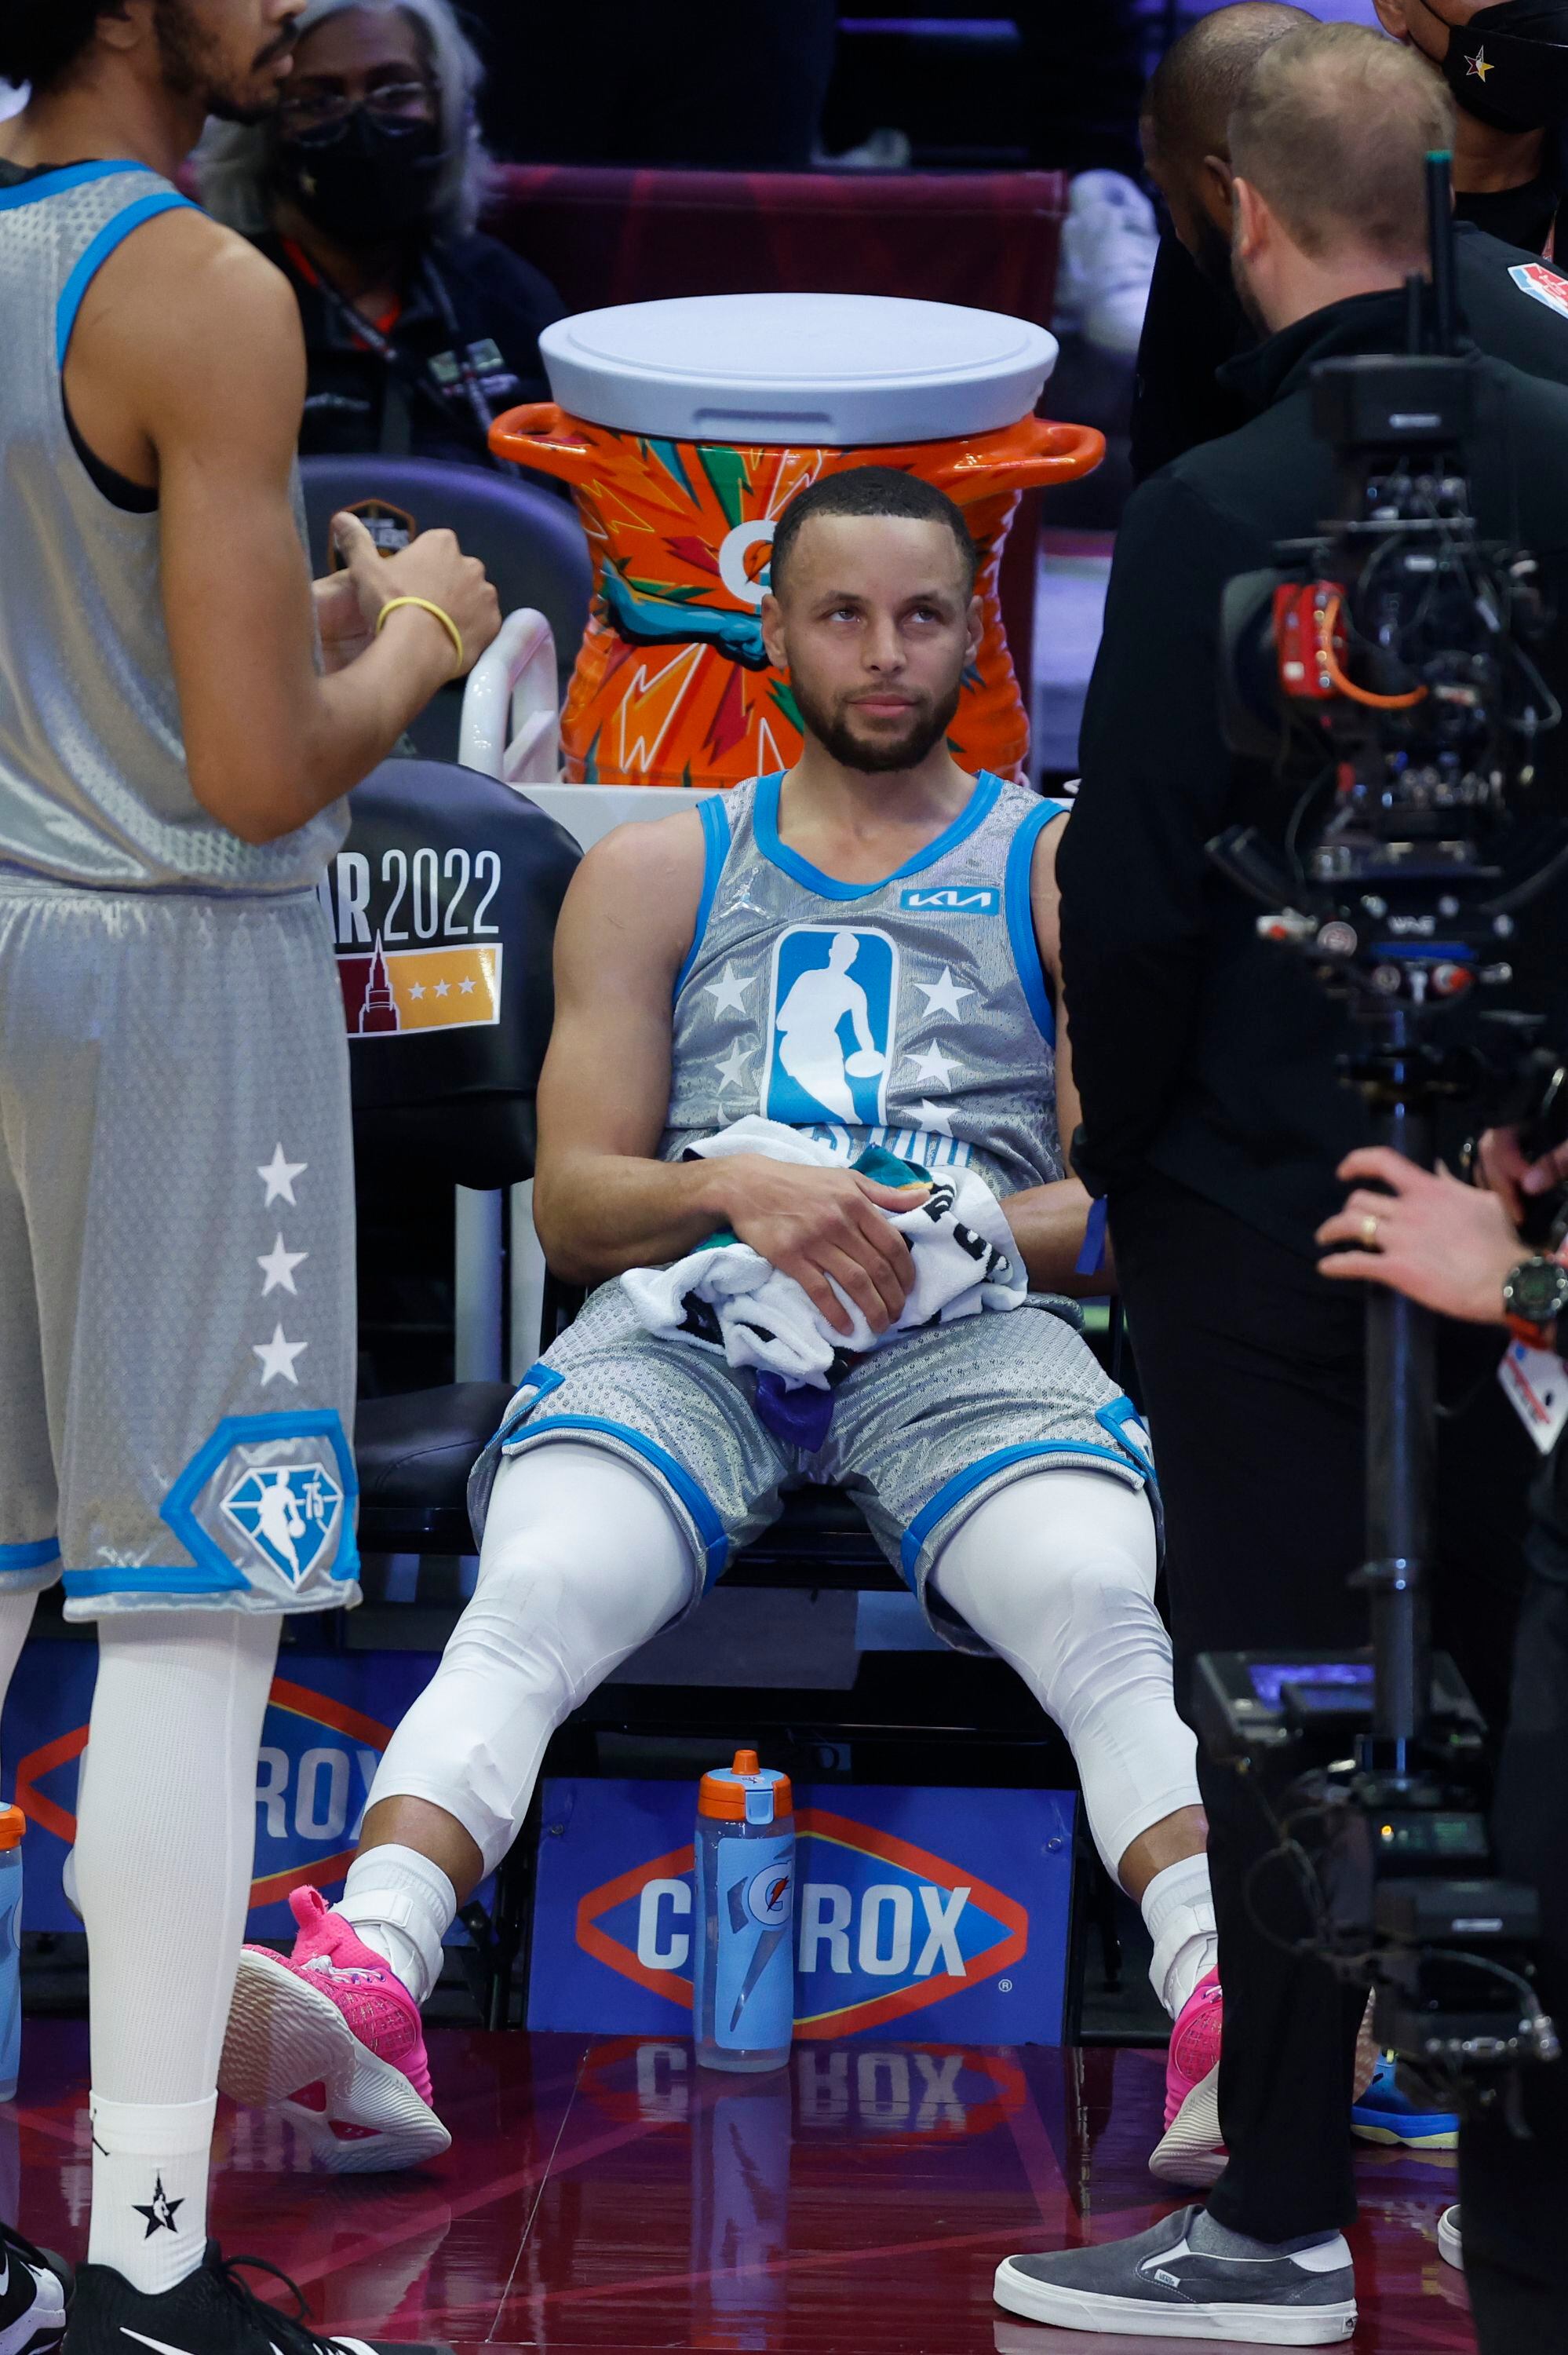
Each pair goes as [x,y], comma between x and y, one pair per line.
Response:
[425,606]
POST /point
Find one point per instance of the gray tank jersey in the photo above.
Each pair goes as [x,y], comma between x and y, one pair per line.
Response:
[93,783]
[912,1014]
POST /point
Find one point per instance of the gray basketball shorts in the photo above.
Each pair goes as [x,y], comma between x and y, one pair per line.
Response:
[923,1432]
[177,1345]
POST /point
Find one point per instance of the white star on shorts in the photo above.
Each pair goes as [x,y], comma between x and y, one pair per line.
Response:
[278,1357]
[728,993]
[279,1176]
[278,1267]
[942,997]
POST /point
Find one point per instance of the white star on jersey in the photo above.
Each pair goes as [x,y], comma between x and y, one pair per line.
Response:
[942,997]
[278,1177]
[728,993]
[935,1117]
[279,1266]
[278,1357]
[735,1066]
[930,1063]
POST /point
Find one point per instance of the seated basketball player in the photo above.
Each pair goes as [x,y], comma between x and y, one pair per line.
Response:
[793,951]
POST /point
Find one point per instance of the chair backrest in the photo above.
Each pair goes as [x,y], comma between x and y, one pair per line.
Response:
[528,539]
[444,902]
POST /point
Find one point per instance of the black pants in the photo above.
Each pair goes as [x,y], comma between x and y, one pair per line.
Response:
[1514,2194]
[1253,1380]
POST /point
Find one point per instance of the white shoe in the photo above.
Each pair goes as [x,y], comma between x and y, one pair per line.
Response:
[1109,239]
[1449,2247]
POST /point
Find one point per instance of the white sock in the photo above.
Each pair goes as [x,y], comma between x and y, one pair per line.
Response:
[402,1905]
[165,1848]
[1179,1908]
[149,2189]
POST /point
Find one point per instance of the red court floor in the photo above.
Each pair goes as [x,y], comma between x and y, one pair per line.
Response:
[607,2196]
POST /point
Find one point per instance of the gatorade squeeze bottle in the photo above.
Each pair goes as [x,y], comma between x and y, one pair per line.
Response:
[744,1995]
[13,1824]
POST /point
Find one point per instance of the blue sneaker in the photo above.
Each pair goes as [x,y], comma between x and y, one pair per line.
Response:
[1385,2115]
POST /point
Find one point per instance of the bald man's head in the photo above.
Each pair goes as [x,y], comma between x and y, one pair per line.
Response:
[1186,119]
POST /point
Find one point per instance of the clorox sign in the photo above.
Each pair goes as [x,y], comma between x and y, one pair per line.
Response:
[967,1919]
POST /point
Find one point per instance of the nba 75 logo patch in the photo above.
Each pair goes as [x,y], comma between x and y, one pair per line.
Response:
[288,1512]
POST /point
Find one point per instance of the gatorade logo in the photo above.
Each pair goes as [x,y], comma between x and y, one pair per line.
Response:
[767,1898]
[885,1928]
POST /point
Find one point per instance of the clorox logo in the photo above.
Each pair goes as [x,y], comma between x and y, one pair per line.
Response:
[288,1512]
[954,899]
[885,1928]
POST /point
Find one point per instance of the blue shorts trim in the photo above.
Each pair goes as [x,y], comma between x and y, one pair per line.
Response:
[964,1484]
[38,1555]
[710,1529]
[715,822]
[1020,908]
[113,234]
[218,1573]
[87,1584]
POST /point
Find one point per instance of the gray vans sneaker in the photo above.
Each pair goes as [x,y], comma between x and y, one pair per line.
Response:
[1156,2287]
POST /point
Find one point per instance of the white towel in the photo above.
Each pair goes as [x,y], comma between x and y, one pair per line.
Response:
[727,1298]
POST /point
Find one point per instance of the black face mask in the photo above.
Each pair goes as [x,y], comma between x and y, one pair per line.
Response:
[1508,65]
[371,180]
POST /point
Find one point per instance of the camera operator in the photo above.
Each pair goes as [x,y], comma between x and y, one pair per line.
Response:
[1457,1250]
[1508,183]
[1216,1120]
[364,189]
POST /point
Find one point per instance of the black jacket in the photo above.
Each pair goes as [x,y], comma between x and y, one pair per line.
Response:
[1200,1050]
[1192,328]
[414,402]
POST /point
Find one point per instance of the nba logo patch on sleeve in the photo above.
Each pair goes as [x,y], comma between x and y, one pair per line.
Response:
[1544,286]
[831,1026]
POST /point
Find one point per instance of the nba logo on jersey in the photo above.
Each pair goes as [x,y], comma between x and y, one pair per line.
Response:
[831,1026]
[289,1513]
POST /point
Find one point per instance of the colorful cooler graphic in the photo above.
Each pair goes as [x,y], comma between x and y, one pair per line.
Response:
[685,427]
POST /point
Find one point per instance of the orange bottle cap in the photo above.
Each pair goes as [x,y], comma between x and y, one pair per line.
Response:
[724,1792]
[13,1825]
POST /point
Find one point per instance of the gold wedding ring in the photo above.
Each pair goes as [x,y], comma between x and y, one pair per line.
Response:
[1369,1230]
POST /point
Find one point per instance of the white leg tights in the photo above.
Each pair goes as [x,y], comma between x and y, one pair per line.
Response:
[582,1562]
[165,1852]
[1057,1573]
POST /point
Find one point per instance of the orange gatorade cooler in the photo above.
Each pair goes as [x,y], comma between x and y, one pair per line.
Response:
[685,427]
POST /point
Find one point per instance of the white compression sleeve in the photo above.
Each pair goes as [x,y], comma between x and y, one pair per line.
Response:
[582,1562]
[165,1850]
[1056,1572]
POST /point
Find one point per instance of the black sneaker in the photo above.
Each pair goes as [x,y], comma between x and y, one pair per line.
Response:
[34,2291]
[211,2313]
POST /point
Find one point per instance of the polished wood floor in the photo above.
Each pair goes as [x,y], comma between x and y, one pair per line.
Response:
[607,2196]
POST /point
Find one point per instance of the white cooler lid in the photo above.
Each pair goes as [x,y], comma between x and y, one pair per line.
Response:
[830,368]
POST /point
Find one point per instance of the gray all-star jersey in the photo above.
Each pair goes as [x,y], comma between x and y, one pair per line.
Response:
[93,783]
[913,1013]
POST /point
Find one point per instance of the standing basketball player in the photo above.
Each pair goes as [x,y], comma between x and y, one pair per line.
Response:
[177,1346]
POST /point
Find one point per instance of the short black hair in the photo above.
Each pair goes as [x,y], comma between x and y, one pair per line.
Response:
[42,39]
[873,491]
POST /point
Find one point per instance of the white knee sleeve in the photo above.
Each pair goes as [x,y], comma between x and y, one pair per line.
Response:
[582,1562]
[1057,1573]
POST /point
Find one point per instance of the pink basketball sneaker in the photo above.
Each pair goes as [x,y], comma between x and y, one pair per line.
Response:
[1190,2152]
[333,2039]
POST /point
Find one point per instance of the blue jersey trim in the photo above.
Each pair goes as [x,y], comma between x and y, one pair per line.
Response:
[69,175]
[716,850]
[765,825]
[37,1555]
[113,234]
[541,1380]
[1020,916]
[178,1510]
[964,1484]
[709,1527]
